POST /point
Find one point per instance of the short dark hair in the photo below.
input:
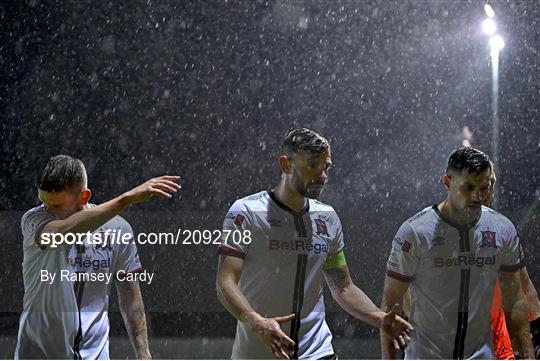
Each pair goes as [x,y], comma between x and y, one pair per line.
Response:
[61,172]
[469,158]
[303,139]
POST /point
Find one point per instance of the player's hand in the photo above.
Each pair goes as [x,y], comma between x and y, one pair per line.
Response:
[395,328]
[161,186]
[271,334]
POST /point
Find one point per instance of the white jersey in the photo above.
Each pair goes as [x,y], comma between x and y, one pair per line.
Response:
[283,269]
[452,271]
[81,328]
[99,260]
[49,320]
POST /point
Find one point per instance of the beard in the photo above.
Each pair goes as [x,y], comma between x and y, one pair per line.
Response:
[471,212]
[310,190]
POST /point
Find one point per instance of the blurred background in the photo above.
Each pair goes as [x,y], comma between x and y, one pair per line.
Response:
[207,90]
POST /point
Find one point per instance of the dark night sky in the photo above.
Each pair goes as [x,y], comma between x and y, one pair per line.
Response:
[207,90]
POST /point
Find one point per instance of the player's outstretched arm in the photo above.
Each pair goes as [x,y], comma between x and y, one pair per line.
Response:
[90,219]
[132,309]
[393,294]
[232,298]
[516,312]
[359,305]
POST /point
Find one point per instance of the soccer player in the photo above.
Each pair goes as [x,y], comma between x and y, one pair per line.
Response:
[501,339]
[57,320]
[450,254]
[280,245]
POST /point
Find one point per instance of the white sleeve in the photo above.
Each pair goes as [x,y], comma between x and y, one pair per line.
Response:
[127,259]
[237,220]
[511,252]
[405,254]
[337,243]
[32,223]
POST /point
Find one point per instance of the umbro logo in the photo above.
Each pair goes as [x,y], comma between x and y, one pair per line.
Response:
[273,222]
[438,241]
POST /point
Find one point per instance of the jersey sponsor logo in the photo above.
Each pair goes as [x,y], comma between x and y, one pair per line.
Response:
[464,260]
[230,215]
[239,219]
[88,262]
[438,241]
[297,245]
[488,239]
[321,227]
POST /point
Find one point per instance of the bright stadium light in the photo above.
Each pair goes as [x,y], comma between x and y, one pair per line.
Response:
[489,11]
[496,43]
[489,26]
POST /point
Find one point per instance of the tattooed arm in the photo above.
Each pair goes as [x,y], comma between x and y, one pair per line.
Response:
[351,298]
[132,309]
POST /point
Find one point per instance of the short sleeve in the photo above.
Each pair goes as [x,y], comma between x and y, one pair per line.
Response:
[336,256]
[404,256]
[511,252]
[128,255]
[337,243]
[236,222]
[32,224]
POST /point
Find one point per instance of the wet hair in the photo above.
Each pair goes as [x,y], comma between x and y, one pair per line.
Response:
[304,139]
[469,158]
[61,172]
